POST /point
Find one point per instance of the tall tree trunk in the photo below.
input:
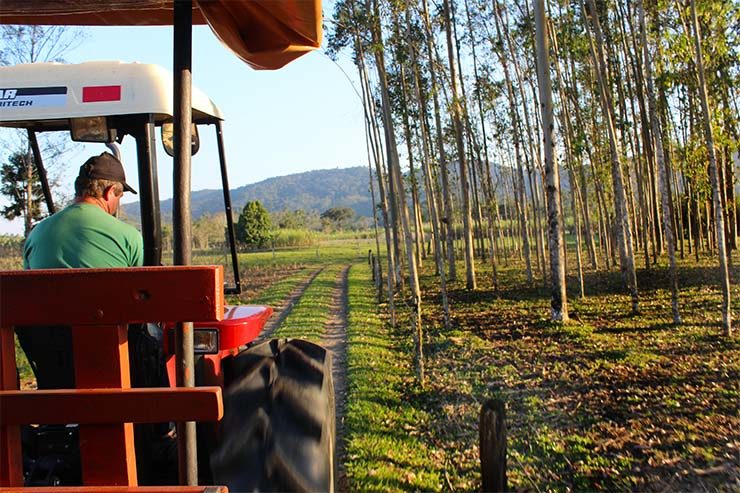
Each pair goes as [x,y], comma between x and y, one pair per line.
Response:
[378,280]
[568,132]
[395,177]
[515,129]
[470,281]
[559,300]
[418,225]
[370,122]
[429,180]
[532,158]
[650,161]
[664,172]
[489,194]
[624,235]
[569,77]
[473,155]
[714,177]
[448,219]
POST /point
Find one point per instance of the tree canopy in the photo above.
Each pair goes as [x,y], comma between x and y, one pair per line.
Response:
[253,226]
[337,217]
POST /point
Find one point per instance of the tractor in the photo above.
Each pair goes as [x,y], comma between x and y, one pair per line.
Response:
[149,348]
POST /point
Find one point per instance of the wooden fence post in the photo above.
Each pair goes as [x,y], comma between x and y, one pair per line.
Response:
[492,446]
[378,276]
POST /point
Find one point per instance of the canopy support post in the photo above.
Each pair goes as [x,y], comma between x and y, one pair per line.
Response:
[182,49]
[237,289]
[41,170]
[151,225]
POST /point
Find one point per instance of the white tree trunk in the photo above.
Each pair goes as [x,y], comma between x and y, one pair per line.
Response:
[662,167]
[714,178]
[559,299]
[622,222]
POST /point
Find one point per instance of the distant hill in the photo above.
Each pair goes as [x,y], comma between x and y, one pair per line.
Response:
[312,191]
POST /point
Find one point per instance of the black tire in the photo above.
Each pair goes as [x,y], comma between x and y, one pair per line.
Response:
[277,433]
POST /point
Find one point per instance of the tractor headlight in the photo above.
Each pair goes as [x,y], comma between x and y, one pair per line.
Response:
[205,341]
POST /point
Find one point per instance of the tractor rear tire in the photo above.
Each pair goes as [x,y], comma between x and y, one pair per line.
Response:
[277,433]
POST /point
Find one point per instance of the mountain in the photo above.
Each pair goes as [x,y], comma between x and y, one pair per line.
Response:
[312,191]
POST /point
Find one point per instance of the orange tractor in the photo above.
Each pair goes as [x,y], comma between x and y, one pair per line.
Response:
[100,419]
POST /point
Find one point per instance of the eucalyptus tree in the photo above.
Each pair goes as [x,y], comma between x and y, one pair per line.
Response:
[622,222]
[413,39]
[498,45]
[664,171]
[575,144]
[394,169]
[404,106]
[713,175]
[351,29]
[570,164]
[490,196]
[531,151]
[448,219]
[456,108]
[559,300]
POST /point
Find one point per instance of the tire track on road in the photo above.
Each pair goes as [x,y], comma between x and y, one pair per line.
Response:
[335,340]
[280,313]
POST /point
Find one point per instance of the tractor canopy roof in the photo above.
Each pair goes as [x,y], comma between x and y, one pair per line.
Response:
[45,96]
[266,34]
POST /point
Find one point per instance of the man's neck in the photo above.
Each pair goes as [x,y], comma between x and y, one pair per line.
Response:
[96,201]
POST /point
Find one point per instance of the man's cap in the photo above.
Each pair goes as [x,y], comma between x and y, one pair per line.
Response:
[105,167]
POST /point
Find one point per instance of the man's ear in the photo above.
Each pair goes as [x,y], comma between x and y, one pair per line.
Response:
[108,193]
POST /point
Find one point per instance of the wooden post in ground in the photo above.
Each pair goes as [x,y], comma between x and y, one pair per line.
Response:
[492,446]
[378,277]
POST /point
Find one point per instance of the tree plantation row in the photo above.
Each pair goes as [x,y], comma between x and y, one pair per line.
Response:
[487,103]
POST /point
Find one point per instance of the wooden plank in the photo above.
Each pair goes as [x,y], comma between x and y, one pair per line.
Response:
[118,489]
[111,296]
[11,460]
[107,454]
[101,356]
[101,361]
[101,406]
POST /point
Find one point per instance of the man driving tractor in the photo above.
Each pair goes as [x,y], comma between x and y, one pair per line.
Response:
[86,233]
[83,235]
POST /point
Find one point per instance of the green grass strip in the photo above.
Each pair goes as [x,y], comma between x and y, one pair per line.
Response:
[310,314]
[385,449]
[280,290]
[335,252]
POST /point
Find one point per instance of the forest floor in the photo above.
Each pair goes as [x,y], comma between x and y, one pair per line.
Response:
[609,401]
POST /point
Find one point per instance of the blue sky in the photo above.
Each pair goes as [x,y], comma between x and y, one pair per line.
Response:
[305,116]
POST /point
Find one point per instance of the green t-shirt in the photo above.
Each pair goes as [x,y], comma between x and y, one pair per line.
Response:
[82,235]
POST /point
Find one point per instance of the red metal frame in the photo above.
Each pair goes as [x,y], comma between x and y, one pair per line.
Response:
[98,304]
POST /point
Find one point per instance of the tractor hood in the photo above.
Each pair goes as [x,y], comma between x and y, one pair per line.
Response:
[266,34]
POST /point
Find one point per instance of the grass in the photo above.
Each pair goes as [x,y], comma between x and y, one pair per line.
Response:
[25,374]
[276,292]
[385,448]
[309,316]
[610,401]
[270,286]
[329,252]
